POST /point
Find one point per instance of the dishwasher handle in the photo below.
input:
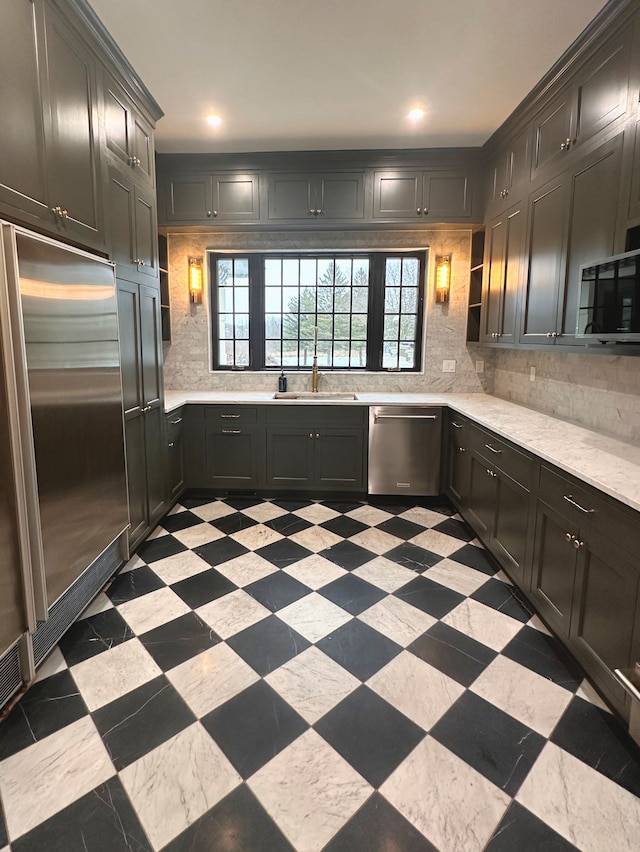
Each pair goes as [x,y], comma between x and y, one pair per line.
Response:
[405,417]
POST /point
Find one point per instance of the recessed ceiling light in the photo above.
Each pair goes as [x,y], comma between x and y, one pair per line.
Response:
[214,120]
[416,114]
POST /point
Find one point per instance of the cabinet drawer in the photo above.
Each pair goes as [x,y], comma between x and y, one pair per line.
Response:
[228,415]
[511,461]
[174,424]
[296,414]
[591,510]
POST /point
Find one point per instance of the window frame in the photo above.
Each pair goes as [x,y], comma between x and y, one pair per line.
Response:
[375,310]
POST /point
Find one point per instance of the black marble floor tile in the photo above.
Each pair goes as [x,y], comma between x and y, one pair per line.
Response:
[203,587]
[476,557]
[504,598]
[386,504]
[133,584]
[142,719]
[93,635]
[489,740]
[370,734]
[238,823]
[268,644]
[160,548]
[219,551]
[348,555]
[433,598]
[192,501]
[101,821]
[521,831]
[413,557]
[401,528]
[288,524]
[359,648]
[180,521]
[599,739]
[277,590]
[456,529]
[292,505]
[453,653]
[179,640]
[378,827]
[352,594]
[342,506]
[241,503]
[346,527]
[47,706]
[233,523]
[283,553]
[253,727]
[546,656]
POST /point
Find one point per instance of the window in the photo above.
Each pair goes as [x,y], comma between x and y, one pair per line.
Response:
[358,311]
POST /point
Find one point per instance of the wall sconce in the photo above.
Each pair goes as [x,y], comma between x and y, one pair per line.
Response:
[443,277]
[195,280]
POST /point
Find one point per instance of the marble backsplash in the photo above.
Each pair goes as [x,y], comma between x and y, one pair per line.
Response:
[600,392]
[187,358]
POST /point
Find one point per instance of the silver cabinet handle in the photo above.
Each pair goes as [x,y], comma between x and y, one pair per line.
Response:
[175,422]
[215,213]
[425,210]
[462,449]
[405,417]
[311,434]
[317,434]
[419,211]
[230,416]
[147,408]
[572,502]
[232,431]
[493,449]
[569,537]
[578,544]
[457,425]
[170,444]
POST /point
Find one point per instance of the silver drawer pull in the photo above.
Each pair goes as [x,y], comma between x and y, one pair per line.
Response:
[493,449]
[405,417]
[230,416]
[175,422]
[569,499]
[171,444]
[232,431]
[457,425]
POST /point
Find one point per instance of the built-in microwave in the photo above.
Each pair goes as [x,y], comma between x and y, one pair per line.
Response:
[609,299]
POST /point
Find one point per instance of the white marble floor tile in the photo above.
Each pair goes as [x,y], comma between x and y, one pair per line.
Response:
[211,678]
[198,534]
[587,808]
[456,576]
[45,777]
[316,513]
[483,623]
[246,569]
[100,603]
[310,791]
[172,569]
[315,571]
[312,683]
[157,533]
[437,542]
[417,689]
[454,806]
[398,620]
[172,786]
[523,694]
[54,664]
[255,537]
[538,624]
[264,512]
[314,616]
[132,564]
[369,515]
[315,538]
[385,574]
[500,575]
[589,693]
[148,611]
[232,613]
[420,515]
[376,540]
[110,675]
[212,511]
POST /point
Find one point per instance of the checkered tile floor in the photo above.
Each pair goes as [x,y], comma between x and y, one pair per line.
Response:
[278,675]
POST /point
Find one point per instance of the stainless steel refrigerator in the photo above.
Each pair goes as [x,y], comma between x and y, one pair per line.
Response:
[63,499]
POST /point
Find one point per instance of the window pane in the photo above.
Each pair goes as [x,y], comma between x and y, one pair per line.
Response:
[272,272]
[272,353]
[242,326]
[391,327]
[290,270]
[390,355]
[409,300]
[391,300]
[225,299]
[359,328]
[360,299]
[224,272]
[242,300]
[290,326]
[393,274]
[410,269]
[272,299]
[407,356]
[242,352]
[241,271]
[225,324]
[408,328]
[273,326]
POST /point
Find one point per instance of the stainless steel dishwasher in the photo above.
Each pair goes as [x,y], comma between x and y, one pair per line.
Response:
[404,450]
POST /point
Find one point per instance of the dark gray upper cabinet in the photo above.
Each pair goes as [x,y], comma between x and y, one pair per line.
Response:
[207,197]
[132,230]
[128,136]
[634,184]
[508,173]
[338,195]
[505,240]
[431,195]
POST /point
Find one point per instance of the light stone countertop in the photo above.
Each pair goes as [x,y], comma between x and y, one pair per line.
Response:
[609,464]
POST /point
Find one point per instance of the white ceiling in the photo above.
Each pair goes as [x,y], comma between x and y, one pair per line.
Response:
[337,74]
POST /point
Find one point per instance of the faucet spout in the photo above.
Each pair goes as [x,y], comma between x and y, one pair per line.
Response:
[315,376]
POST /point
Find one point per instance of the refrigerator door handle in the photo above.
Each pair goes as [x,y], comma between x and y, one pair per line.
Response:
[22,446]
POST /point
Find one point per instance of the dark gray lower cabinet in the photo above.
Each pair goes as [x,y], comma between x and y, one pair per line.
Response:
[175,460]
[457,455]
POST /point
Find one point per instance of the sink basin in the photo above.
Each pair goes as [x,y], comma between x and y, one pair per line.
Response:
[320,396]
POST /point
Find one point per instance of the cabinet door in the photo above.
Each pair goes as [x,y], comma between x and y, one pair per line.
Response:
[634,196]
[236,197]
[482,495]
[72,150]
[548,212]
[23,184]
[554,131]
[554,567]
[143,150]
[494,273]
[397,195]
[121,219]
[604,611]
[510,536]
[146,234]
[292,196]
[135,444]
[340,196]
[188,198]
[175,460]
[339,457]
[151,357]
[509,170]
[290,456]
[446,195]
[233,457]
[117,124]
[458,462]
[516,220]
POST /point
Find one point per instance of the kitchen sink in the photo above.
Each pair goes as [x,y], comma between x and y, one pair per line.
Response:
[319,396]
